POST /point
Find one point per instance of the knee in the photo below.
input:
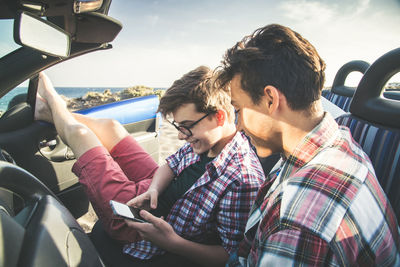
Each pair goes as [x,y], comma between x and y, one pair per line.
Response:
[77,131]
[111,125]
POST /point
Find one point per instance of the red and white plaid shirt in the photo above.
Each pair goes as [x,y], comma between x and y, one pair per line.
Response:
[217,203]
[322,207]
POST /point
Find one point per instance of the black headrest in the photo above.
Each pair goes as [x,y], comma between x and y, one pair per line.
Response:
[368,102]
[338,86]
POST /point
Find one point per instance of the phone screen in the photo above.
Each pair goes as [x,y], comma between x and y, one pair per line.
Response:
[126,211]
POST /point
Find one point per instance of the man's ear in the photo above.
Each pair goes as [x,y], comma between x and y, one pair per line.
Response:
[221,116]
[272,98]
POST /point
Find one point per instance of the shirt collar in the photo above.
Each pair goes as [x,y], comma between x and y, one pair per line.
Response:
[316,140]
[236,145]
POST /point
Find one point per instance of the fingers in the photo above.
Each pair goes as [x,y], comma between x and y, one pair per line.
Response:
[135,225]
[155,229]
[148,217]
[142,201]
[132,202]
[138,202]
[153,199]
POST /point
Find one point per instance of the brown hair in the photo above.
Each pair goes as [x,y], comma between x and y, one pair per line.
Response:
[278,56]
[197,87]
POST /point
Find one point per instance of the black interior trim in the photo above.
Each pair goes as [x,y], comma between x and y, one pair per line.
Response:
[54,238]
[338,86]
[96,28]
[368,101]
[16,117]
[44,233]
[11,242]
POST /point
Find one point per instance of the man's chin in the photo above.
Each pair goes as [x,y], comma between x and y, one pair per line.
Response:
[263,152]
[198,149]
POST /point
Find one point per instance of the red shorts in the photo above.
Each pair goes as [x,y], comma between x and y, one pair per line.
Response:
[121,174]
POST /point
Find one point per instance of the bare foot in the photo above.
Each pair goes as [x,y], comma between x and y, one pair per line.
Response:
[42,110]
[47,92]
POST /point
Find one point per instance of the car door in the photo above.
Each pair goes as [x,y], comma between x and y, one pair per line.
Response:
[33,145]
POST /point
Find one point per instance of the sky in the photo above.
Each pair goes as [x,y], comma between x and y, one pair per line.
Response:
[162,40]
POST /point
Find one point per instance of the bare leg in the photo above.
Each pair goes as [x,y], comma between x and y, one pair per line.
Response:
[108,131]
[77,135]
[102,178]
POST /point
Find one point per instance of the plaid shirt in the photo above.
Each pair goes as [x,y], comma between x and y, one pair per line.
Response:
[322,206]
[218,203]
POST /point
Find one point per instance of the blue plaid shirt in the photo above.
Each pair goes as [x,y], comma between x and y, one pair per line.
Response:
[217,203]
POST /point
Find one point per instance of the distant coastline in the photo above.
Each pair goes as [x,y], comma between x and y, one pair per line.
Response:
[75,92]
[84,97]
[98,97]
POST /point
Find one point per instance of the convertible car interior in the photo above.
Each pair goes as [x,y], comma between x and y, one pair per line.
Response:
[41,199]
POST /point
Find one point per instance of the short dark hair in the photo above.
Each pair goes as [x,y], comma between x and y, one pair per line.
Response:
[197,87]
[278,56]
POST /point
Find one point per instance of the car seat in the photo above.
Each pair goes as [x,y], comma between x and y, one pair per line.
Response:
[374,121]
[340,94]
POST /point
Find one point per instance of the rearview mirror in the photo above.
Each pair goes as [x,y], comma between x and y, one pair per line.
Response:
[42,35]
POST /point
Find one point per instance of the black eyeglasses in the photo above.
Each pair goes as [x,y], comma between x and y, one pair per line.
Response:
[186,129]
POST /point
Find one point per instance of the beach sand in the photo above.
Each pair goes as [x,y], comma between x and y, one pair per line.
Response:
[169,142]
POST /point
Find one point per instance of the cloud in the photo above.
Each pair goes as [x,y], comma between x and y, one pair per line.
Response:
[155,66]
[343,31]
[211,21]
[307,11]
[361,7]
[317,12]
[152,20]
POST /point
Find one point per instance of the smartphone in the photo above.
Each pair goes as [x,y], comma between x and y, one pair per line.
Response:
[126,211]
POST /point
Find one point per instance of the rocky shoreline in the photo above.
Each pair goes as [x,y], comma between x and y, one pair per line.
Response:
[92,99]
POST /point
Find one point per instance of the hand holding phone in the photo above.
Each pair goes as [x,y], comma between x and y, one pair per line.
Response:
[126,211]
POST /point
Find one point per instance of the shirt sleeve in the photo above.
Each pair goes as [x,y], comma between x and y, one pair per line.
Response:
[289,248]
[233,213]
[174,161]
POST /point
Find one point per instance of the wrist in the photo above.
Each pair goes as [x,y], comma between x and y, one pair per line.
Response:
[176,243]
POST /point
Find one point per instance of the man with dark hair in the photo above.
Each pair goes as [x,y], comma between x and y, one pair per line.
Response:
[321,204]
[204,191]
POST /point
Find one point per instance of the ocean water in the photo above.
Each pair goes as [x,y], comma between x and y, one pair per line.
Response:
[70,92]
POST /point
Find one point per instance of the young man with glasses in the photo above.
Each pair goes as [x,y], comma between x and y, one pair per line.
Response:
[198,201]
